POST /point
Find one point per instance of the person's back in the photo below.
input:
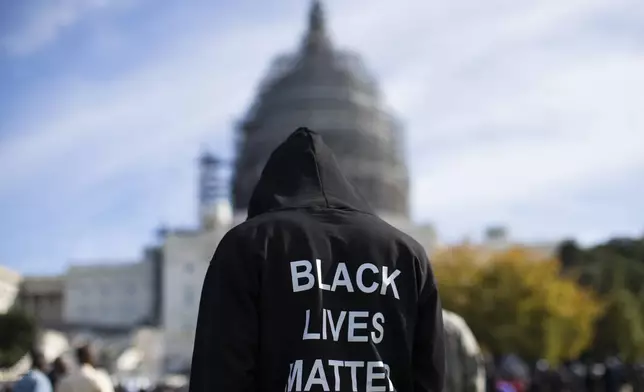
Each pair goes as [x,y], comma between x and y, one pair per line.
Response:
[465,362]
[86,378]
[314,292]
[35,380]
[58,371]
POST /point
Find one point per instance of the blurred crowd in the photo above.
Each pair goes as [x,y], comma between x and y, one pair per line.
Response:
[510,373]
[506,373]
[85,376]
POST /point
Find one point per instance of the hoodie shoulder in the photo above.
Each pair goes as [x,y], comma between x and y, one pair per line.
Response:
[301,218]
[252,229]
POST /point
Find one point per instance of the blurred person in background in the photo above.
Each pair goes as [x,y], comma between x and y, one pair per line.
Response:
[465,361]
[312,256]
[35,380]
[490,372]
[636,378]
[86,378]
[613,375]
[557,381]
[58,370]
[512,372]
[595,377]
[539,381]
[577,375]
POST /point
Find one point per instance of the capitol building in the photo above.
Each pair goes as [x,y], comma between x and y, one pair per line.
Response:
[331,92]
[316,86]
[319,87]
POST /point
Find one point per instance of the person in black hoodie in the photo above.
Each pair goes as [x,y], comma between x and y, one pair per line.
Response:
[313,292]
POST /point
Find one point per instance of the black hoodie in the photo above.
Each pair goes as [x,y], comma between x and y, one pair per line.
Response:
[314,292]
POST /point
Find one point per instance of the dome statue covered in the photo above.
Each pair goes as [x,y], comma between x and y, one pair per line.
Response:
[331,92]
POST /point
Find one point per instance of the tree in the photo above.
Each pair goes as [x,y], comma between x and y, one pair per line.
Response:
[621,329]
[17,337]
[516,301]
[457,270]
[570,253]
[614,270]
[629,248]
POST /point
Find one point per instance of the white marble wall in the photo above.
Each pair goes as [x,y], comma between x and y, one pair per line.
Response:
[109,295]
[186,256]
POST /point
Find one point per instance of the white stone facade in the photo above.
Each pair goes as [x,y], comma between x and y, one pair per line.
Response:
[118,295]
[9,284]
[42,298]
[186,256]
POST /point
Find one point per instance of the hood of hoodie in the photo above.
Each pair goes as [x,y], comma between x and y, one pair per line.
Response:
[303,172]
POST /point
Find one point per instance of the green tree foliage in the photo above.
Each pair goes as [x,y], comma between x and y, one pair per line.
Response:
[621,329]
[614,270]
[570,254]
[17,337]
[516,301]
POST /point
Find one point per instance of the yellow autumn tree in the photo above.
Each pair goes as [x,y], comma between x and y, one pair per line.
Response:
[516,301]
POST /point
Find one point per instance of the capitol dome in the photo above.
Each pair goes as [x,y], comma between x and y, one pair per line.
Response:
[331,92]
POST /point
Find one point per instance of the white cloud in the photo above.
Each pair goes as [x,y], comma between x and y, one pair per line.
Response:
[580,113]
[46,21]
[127,123]
[505,102]
[509,103]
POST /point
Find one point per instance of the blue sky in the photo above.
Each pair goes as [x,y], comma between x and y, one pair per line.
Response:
[526,114]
